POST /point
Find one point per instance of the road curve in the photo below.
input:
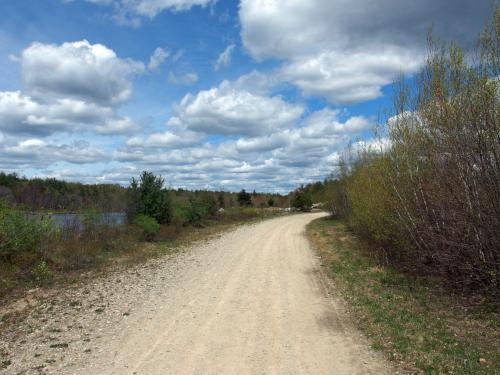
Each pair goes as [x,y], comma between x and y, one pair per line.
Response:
[252,302]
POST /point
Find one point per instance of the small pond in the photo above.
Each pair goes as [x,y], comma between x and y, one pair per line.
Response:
[76,221]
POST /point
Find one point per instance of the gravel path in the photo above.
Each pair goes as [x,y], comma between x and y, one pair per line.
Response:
[249,302]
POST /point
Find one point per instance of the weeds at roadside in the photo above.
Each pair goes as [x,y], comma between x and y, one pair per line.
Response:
[421,327]
[76,256]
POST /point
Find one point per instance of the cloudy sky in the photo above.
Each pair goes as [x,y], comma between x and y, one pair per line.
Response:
[255,94]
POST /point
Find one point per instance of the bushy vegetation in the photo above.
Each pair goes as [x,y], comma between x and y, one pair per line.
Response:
[20,234]
[149,226]
[302,200]
[50,194]
[148,197]
[33,248]
[244,198]
[199,207]
[430,199]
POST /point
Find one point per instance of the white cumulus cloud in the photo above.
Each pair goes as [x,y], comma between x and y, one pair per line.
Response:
[70,87]
[347,50]
[22,115]
[79,70]
[226,110]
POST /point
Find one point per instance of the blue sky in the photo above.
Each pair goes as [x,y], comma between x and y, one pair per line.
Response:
[255,94]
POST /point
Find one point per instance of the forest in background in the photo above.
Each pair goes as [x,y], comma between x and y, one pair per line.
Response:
[50,194]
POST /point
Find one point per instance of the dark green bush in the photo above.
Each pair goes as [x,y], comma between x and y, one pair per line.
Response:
[194,211]
[244,199]
[200,207]
[302,200]
[148,197]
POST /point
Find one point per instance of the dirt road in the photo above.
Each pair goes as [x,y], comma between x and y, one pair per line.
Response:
[249,302]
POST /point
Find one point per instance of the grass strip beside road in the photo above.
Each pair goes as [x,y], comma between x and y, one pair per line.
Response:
[419,325]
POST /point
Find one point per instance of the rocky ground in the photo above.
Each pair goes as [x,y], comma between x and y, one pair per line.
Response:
[51,330]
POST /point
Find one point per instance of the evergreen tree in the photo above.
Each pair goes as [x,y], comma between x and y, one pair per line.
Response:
[244,199]
[302,200]
[148,197]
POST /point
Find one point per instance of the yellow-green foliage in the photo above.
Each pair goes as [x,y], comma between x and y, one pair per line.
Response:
[371,200]
[149,226]
[20,234]
[433,196]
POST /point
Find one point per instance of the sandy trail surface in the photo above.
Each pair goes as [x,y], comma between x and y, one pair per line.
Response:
[252,301]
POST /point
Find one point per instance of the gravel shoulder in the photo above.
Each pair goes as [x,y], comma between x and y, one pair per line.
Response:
[252,301]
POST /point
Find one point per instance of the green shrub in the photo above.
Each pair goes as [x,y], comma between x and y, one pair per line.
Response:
[148,197]
[302,200]
[91,216]
[19,233]
[149,226]
[244,198]
[194,211]
[199,208]
[210,204]
[179,210]
[372,202]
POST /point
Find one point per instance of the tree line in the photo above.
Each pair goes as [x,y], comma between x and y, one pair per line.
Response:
[51,194]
